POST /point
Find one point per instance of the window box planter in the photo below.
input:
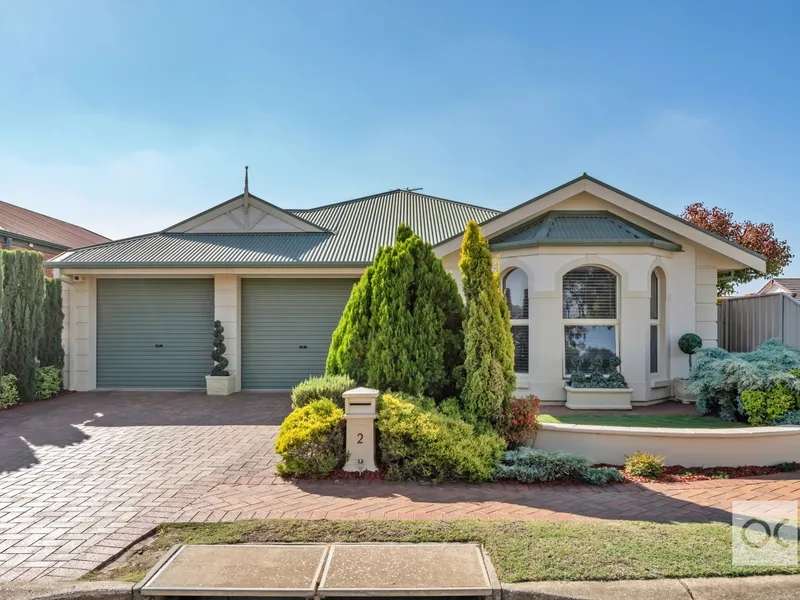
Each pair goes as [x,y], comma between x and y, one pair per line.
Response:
[681,392]
[598,398]
[220,385]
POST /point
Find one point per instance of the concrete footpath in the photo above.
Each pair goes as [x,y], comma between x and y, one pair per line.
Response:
[777,587]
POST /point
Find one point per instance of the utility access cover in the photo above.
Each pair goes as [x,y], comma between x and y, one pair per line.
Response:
[405,570]
[239,570]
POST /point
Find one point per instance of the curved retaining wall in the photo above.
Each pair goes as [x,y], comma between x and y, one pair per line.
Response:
[736,447]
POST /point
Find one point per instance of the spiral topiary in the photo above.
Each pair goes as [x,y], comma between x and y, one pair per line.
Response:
[690,343]
[219,351]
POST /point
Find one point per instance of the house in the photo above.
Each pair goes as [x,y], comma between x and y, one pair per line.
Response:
[783,285]
[588,270]
[25,229]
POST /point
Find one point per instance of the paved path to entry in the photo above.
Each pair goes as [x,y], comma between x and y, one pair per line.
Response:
[84,476]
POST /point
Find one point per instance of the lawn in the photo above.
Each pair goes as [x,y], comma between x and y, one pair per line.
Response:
[682,421]
[520,550]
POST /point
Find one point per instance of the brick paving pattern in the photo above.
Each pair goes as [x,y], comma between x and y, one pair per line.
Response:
[84,476]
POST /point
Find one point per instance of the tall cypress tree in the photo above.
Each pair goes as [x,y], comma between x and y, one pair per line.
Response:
[402,327]
[51,348]
[489,345]
[23,280]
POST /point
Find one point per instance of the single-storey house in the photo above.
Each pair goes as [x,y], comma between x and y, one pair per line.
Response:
[24,229]
[781,285]
[587,270]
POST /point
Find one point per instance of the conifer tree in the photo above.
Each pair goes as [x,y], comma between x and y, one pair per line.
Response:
[489,345]
[23,282]
[402,327]
[51,348]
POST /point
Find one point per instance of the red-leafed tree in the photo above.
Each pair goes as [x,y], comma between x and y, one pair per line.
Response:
[759,237]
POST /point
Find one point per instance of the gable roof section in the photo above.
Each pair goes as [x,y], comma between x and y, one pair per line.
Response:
[36,227]
[595,228]
[585,183]
[228,209]
[346,234]
[788,285]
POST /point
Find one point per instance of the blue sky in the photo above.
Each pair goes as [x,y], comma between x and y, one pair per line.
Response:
[128,116]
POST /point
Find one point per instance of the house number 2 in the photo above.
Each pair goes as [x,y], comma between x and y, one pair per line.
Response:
[360,438]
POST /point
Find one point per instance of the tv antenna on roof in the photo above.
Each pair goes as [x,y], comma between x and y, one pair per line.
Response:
[408,189]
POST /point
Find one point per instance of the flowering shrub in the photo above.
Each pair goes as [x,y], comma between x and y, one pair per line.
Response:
[642,464]
[522,419]
[720,377]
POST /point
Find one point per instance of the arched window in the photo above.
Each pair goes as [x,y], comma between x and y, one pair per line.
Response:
[591,323]
[657,333]
[515,289]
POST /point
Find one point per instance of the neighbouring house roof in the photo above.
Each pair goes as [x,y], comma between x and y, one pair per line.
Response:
[352,232]
[595,228]
[20,223]
[786,285]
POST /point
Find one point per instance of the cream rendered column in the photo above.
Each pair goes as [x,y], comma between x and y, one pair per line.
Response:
[227,309]
[360,412]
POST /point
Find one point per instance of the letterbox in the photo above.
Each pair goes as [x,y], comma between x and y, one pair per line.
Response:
[360,413]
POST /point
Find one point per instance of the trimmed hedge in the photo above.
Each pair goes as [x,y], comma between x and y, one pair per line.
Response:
[527,465]
[418,442]
[9,396]
[327,386]
[311,440]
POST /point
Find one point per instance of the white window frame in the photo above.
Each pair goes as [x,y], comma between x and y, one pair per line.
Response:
[659,324]
[589,322]
[520,322]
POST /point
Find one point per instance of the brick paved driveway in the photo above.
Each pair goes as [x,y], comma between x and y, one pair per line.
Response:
[83,476]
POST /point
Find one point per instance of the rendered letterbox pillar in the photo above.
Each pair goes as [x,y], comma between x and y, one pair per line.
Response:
[360,413]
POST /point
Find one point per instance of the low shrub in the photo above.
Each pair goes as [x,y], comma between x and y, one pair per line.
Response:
[326,386]
[9,395]
[762,407]
[643,464]
[418,441]
[311,440]
[522,419]
[790,418]
[720,377]
[528,465]
[788,467]
[48,382]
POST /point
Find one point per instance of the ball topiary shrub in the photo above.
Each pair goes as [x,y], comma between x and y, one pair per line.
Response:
[690,343]
[311,440]
[527,465]
[9,395]
[418,442]
[326,386]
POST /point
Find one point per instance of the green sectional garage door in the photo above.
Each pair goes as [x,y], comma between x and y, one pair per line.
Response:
[286,328]
[154,333]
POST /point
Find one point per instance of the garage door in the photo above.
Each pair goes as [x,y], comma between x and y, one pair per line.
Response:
[154,333]
[286,328]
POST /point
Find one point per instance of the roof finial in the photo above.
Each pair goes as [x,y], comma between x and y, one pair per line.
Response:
[246,190]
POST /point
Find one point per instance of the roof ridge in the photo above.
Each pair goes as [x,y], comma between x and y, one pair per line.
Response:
[362,198]
[54,219]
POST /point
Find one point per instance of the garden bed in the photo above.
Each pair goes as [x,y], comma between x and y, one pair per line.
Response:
[520,550]
[672,474]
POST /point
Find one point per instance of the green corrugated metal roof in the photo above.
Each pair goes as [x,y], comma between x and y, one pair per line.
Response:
[598,228]
[357,229]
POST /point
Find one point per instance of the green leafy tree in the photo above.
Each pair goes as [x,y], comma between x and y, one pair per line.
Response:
[51,348]
[23,282]
[402,327]
[489,344]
